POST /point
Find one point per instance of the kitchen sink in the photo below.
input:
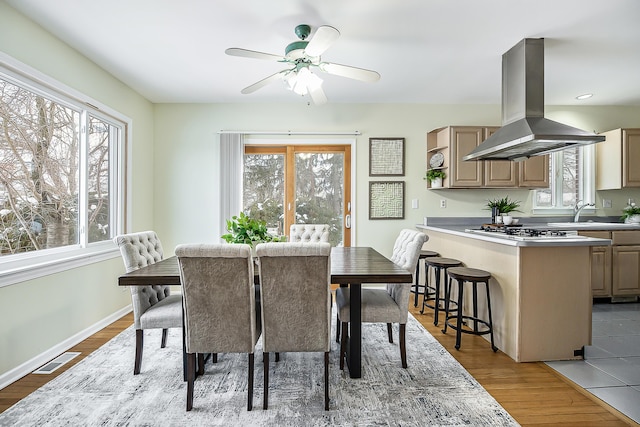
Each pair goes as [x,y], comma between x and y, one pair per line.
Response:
[589,224]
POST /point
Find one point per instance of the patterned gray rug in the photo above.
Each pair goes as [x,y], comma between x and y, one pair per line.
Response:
[101,390]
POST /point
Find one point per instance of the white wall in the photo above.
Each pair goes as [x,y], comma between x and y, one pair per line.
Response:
[39,314]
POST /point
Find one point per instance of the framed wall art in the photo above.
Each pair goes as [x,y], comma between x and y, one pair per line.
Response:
[386,200]
[386,156]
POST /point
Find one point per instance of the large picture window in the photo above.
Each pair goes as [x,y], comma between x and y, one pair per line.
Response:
[59,163]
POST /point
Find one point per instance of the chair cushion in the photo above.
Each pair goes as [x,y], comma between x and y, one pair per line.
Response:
[377,306]
[167,313]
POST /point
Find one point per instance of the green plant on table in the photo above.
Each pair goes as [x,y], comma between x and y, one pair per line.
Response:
[244,229]
[504,205]
[433,174]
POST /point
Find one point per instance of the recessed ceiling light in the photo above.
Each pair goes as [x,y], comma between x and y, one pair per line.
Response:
[584,96]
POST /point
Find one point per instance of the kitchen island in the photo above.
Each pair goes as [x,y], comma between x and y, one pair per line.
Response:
[540,289]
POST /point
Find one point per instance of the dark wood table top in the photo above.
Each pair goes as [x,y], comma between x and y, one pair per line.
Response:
[349,265]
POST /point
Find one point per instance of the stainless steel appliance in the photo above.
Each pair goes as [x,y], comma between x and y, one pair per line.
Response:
[521,233]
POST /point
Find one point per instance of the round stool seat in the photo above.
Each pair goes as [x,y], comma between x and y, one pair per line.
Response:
[443,262]
[468,274]
[426,254]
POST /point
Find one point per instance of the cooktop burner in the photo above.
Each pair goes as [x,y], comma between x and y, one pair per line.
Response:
[521,233]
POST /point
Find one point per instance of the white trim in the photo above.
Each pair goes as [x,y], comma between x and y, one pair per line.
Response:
[42,358]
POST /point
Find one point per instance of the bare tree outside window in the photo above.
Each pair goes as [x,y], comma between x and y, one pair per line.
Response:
[41,171]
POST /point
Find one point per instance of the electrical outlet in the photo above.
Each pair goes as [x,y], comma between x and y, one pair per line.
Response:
[606,203]
[443,203]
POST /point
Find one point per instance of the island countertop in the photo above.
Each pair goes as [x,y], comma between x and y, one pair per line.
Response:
[460,230]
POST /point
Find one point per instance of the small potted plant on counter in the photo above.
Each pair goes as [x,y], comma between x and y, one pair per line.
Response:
[631,214]
[435,177]
[501,208]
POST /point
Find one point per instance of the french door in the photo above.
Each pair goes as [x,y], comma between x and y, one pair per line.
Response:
[299,184]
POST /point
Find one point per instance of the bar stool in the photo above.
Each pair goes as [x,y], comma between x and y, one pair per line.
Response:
[439,265]
[415,289]
[474,276]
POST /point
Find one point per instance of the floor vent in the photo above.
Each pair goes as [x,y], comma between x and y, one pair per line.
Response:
[56,363]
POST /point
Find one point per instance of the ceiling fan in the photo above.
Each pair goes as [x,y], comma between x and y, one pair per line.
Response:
[303,56]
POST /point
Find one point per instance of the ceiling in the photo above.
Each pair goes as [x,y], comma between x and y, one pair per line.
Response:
[427,51]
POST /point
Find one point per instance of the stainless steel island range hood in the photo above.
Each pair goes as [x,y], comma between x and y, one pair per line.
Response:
[525,132]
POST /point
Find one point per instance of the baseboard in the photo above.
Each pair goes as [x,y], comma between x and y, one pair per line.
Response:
[39,360]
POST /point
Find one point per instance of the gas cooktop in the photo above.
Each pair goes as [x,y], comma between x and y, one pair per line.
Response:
[518,233]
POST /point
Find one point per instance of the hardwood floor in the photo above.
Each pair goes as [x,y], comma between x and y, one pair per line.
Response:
[531,392]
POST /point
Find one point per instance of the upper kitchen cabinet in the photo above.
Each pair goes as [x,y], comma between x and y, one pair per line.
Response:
[454,142]
[615,157]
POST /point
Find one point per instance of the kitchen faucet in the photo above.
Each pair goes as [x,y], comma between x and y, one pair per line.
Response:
[577,209]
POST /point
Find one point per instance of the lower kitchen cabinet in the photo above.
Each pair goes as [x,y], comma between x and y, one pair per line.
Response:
[615,270]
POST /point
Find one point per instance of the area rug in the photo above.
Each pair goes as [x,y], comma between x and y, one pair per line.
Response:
[101,390]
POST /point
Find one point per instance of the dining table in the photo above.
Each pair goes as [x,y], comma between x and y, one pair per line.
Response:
[350,267]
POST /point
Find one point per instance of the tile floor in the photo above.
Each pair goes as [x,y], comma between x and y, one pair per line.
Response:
[611,369]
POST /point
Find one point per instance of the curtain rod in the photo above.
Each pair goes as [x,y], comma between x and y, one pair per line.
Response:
[288,132]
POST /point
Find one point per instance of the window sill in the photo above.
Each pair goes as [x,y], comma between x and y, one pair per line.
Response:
[25,267]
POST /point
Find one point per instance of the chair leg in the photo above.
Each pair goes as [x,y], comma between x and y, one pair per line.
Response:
[403,345]
[163,343]
[200,363]
[337,327]
[390,333]
[214,357]
[191,376]
[265,397]
[343,343]
[277,356]
[139,344]
[326,380]
[250,383]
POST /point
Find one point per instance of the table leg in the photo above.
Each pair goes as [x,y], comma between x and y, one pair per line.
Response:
[354,348]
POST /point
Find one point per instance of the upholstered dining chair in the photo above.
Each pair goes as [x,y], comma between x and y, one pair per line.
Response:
[296,302]
[309,233]
[219,305]
[385,305]
[153,306]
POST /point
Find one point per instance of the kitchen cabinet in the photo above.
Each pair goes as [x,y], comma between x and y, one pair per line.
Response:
[600,265]
[615,269]
[455,142]
[616,160]
[626,263]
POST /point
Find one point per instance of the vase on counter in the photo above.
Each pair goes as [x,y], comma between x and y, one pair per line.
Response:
[495,211]
[633,219]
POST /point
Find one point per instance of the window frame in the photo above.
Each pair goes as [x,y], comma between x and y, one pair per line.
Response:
[31,265]
[586,185]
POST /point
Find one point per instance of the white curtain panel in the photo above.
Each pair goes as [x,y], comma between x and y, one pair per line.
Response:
[231,161]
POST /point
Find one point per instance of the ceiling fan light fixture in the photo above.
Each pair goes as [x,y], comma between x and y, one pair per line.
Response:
[303,81]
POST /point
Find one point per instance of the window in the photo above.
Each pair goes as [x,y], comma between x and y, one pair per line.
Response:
[59,183]
[570,181]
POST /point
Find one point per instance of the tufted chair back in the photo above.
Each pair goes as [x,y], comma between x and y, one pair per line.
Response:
[139,250]
[313,233]
[406,251]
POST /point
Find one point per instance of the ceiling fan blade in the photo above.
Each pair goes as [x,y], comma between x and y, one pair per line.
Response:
[318,96]
[349,72]
[321,40]
[254,87]
[245,53]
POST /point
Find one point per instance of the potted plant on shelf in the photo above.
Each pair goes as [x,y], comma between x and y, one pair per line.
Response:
[631,214]
[244,229]
[501,208]
[435,177]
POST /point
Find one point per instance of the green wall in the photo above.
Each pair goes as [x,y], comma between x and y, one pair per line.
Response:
[38,314]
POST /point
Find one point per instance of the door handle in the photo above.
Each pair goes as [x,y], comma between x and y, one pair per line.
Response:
[347,221]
